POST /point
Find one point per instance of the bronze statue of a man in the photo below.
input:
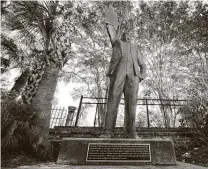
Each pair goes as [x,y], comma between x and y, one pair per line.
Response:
[126,71]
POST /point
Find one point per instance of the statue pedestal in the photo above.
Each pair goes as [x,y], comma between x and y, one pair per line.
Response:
[101,151]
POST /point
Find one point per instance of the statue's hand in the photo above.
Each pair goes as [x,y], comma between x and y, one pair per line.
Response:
[120,20]
[141,79]
[143,75]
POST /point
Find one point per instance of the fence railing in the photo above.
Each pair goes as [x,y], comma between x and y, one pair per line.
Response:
[62,116]
[66,117]
[162,103]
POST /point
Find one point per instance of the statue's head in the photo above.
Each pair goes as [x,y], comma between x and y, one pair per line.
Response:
[125,37]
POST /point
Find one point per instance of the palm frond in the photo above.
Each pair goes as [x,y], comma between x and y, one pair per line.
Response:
[27,17]
[9,46]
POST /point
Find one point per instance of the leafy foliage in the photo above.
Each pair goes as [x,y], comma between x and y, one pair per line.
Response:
[195,115]
[19,131]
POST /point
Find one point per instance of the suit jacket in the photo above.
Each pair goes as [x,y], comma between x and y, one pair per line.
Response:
[138,63]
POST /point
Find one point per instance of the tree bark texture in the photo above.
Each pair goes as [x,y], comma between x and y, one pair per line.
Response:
[42,101]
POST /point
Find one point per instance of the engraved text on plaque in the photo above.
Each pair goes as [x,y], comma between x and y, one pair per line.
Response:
[115,152]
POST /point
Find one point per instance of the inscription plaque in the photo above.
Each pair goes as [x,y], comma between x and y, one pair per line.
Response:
[115,152]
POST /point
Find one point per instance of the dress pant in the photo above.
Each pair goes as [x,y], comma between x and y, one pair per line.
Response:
[123,80]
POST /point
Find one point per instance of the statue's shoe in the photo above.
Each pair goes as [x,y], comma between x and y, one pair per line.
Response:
[107,134]
[134,136]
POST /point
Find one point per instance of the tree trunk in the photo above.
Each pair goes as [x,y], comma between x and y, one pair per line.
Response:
[42,101]
[164,109]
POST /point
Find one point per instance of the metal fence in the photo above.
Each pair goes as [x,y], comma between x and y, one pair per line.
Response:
[165,107]
[62,116]
[149,107]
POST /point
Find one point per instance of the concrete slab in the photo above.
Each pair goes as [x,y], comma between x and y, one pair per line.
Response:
[179,165]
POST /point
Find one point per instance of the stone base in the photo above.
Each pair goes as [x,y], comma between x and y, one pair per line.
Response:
[101,151]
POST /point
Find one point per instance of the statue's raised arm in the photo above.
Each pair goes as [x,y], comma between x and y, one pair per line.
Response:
[112,24]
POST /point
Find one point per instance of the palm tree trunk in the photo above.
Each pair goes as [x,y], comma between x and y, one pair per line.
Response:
[42,101]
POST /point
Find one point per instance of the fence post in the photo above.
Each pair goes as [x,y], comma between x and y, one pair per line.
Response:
[148,122]
[70,115]
[96,115]
[79,109]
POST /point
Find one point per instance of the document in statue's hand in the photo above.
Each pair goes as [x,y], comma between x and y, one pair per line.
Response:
[111,16]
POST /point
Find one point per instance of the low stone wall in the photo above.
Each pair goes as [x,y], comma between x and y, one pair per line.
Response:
[180,136]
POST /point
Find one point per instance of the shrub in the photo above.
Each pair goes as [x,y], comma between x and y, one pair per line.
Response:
[195,115]
[19,128]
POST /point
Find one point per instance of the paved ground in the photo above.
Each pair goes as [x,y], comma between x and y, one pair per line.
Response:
[56,166]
